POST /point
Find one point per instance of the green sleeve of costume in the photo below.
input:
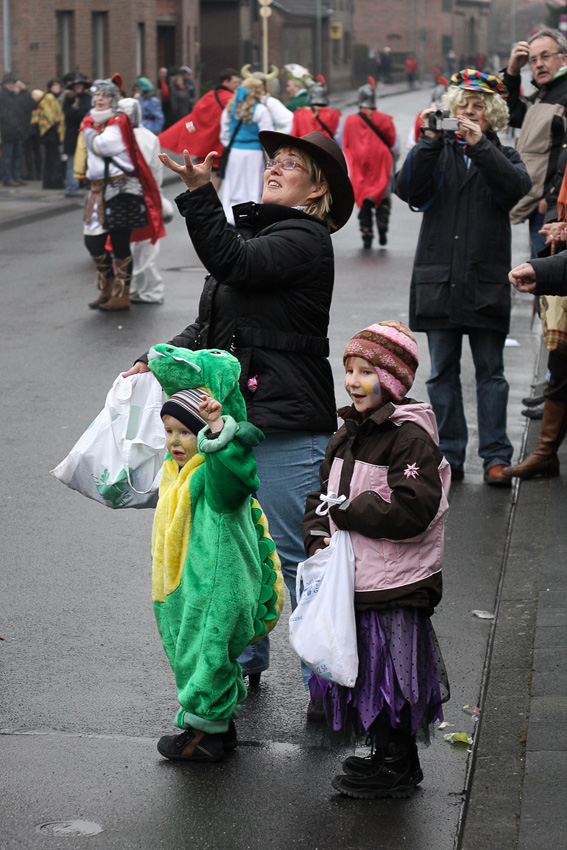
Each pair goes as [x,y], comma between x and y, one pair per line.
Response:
[230,464]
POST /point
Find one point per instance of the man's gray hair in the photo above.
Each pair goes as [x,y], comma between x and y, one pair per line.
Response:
[555,35]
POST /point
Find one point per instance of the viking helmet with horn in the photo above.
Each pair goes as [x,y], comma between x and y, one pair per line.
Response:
[271,81]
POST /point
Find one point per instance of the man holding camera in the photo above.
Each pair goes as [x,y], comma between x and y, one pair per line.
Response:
[465,182]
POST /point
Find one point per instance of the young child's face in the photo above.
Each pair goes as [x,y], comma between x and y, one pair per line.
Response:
[180,441]
[362,384]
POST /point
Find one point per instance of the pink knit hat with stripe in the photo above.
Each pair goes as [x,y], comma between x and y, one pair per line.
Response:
[391,348]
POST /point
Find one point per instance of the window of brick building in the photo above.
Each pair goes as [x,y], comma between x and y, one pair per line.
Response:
[140,49]
[64,60]
[447,5]
[100,42]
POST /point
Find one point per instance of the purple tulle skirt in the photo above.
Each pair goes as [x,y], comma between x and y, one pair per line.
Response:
[401,676]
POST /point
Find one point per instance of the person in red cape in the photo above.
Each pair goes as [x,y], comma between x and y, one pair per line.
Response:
[200,130]
[370,143]
[318,115]
[124,201]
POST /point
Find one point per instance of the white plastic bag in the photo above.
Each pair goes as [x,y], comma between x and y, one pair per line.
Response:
[119,458]
[322,629]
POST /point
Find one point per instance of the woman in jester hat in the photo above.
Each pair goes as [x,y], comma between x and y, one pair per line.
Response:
[216,582]
[267,300]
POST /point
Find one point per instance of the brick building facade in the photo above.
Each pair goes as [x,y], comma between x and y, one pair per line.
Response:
[48,38]
[428,28]
[300,31]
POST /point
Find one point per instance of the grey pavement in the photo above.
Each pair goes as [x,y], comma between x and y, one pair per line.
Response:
[80,759]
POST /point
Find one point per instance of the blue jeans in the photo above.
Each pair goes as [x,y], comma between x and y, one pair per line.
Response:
[11,161]
[446,396]
[537,241]
[71,182]
[288,468]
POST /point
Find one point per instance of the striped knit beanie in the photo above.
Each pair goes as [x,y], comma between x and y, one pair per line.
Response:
[184,406]
[391,348]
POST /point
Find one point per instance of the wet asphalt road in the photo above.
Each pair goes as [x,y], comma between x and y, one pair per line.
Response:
[85,690]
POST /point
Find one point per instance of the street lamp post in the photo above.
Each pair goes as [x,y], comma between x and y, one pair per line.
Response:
[265,13]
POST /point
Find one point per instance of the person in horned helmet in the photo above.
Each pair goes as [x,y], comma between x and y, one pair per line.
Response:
[282,118]
[318,115]
[299,80]
[370,145]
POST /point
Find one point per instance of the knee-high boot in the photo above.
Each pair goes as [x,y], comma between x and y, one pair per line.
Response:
[104,279]
[543,461]
[365,221]
[383,219]
[120,298]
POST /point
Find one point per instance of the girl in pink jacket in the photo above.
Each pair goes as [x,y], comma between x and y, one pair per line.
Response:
[385,462]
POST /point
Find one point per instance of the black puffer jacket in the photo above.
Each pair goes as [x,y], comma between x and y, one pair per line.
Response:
[266,300]
[460,273]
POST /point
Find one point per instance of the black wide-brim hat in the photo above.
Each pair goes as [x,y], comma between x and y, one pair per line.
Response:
[330,159]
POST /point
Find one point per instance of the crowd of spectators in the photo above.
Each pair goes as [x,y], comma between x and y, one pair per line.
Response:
[39,127]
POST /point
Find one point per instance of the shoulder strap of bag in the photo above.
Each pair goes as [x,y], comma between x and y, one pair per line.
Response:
[373,126]
[232,138]
[322,123]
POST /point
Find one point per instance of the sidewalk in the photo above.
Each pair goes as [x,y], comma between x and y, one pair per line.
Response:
[517,783]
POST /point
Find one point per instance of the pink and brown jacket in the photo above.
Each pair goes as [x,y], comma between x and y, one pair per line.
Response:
[396,483]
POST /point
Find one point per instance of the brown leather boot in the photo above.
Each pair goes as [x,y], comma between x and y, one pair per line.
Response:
[104,280]
[120,298]
[543,461]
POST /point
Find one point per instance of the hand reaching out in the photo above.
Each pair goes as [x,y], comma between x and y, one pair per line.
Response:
[523,278]
[194,176]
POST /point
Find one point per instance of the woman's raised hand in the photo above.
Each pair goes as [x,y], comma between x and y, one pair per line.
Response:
[193,176]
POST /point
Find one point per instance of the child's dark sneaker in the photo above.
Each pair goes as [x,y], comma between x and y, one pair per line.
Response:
[363,765]
[390,778]
[229,739]
[192,745]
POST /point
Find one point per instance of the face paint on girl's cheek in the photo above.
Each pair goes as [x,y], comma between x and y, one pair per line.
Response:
[368,388]
[377,389]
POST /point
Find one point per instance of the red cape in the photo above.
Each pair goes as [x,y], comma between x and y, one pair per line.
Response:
[369,159]
[206,117]
[304,120]
[154,229]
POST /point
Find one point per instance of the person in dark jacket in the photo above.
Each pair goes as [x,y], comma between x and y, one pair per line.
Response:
[77,102]
[267,300]
[465,185]
[11,132]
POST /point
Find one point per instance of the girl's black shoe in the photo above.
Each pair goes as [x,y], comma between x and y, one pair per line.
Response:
[363,765]
[391,776]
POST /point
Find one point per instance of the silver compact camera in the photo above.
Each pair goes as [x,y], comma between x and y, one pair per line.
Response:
[440,122]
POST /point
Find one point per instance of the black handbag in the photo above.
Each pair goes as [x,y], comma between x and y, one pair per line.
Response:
[125,212]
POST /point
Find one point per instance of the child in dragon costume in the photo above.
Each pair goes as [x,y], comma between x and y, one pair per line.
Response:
[216,580]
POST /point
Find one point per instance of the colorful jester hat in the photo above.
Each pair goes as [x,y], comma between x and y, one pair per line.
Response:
[215,370]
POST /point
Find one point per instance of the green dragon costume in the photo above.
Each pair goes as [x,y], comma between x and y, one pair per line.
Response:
[216,579]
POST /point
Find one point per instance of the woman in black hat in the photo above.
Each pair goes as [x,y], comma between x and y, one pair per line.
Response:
[267,301]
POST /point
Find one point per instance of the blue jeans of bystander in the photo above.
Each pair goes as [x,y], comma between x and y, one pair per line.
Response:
[288,468]
[446,396]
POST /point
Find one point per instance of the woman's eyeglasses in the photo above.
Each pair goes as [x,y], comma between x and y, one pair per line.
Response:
[286,164]
[545,57]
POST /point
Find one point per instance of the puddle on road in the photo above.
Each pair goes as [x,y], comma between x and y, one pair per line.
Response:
[70,828]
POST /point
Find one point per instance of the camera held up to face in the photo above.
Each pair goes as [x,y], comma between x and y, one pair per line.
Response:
[440,122]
